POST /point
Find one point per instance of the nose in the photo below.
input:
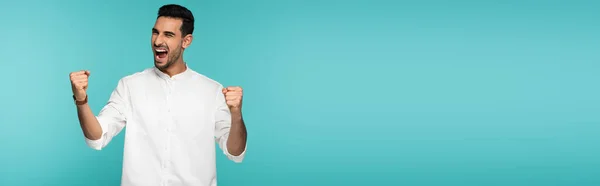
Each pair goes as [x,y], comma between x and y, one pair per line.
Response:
[158,41]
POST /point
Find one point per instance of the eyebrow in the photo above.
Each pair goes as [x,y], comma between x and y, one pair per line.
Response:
[165,32]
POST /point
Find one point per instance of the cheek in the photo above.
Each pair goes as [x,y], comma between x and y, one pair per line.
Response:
[173,46]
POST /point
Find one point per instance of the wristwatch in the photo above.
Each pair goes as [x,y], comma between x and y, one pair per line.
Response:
[80,102]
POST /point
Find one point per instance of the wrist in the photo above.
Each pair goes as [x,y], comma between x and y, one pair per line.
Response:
[80,101]
[236,115]
[235,110]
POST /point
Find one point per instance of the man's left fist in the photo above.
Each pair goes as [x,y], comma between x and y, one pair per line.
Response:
[233,97]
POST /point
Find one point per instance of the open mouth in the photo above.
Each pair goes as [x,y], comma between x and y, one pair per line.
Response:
[161,53]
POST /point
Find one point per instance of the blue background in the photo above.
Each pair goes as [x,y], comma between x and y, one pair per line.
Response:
[336,92]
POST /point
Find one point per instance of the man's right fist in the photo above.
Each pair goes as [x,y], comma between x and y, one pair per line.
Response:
[79,84]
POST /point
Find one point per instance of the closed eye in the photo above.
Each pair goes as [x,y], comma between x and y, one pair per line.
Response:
[166,33]
[169,34]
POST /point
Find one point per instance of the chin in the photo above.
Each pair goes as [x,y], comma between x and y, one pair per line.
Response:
[161,65]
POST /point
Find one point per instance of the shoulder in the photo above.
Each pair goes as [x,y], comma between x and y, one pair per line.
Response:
[137,76]
[134,78]
[204,80]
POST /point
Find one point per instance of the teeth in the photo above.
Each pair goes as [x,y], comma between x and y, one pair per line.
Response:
[161,50]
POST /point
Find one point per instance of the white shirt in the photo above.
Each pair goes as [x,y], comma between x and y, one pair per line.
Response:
[172,126]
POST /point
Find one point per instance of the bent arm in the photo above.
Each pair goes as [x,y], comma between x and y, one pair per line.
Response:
[99,130]
[236,142]
[230,131]
[89,124]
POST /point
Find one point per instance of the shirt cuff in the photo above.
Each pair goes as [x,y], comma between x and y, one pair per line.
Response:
[96,144]
[238,158]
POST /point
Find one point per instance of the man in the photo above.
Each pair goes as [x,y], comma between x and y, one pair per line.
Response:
[173,114]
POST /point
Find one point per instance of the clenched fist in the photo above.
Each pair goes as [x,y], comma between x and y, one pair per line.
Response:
[233,97]
[79,84]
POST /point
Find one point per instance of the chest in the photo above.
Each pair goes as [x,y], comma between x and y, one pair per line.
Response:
[181,105]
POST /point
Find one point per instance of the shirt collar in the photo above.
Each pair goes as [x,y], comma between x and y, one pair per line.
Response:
[182,75]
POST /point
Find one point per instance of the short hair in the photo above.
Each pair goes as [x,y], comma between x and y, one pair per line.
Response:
[179,12]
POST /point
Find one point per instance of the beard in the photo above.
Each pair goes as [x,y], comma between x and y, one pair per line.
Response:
[172,57]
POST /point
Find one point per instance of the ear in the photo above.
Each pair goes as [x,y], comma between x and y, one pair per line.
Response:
[187,41]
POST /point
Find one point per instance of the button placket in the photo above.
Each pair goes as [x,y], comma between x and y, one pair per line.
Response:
[169,84]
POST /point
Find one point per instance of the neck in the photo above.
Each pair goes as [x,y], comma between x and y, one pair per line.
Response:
[174,69]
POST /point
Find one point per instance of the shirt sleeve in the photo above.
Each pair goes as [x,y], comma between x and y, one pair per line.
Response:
[112,117]
[222,127]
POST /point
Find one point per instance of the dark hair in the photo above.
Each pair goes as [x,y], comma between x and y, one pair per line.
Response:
[179,12]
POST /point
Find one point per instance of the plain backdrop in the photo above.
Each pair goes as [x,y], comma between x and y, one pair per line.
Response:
[337,92]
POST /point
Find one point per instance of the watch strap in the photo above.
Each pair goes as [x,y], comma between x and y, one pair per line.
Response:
[84,101]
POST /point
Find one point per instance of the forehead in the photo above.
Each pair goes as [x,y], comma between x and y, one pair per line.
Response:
[164,24]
